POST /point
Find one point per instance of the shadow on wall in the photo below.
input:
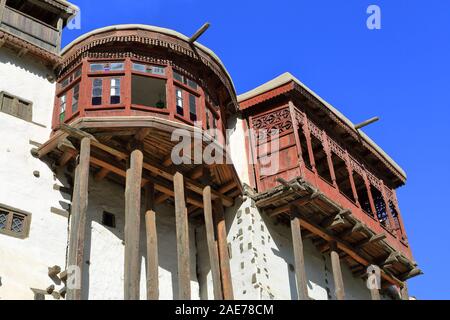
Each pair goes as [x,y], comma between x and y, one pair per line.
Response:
[104,246]
[8,56]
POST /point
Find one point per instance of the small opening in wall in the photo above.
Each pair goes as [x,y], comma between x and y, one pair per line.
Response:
[109,219]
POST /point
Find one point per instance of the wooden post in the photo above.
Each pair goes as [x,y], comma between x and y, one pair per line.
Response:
[224,258]
[327,150]
[78,217]
[307,134]
[296,126]
[152,243]
[132,226]
[374,291]
[337,272]
[350,175]
[182,227]
[369,194]
[404,292]
[212,245]
[60,28]
[297,243]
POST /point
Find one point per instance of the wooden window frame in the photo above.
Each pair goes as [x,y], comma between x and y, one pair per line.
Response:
[16,102]
[11,212]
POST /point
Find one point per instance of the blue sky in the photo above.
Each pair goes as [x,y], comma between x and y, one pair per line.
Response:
[400,73]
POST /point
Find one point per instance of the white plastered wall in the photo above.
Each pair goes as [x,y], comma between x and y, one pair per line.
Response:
[104,252]
[24,263]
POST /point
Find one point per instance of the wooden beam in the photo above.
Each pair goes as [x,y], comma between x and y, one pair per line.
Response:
[227,187]
[212,244]
[159,185]
[196,173]
[337,272]
[132,226]
[101,174]
[152,167]
[182,230]
[199,32]
[356,255]
[222,243]
[297,243]
[299,202]
[78,219]
[152,243]
[373,239]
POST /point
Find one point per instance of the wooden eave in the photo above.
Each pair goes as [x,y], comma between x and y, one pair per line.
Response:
[324,220]
[110,142]
[22,46]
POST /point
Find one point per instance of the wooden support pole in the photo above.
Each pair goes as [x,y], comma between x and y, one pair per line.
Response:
[132,225]
[182,227]
[2,9]
[369,194]
[297,243]
[327,150]
[78,218]
[212,244]
[152,243]
[404,292]
[337,272]
[224,258]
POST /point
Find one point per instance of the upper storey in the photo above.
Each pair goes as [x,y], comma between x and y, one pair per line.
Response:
[139,70]
[35,26]
[307,138]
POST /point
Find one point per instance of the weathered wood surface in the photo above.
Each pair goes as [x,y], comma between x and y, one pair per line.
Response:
[337,272]
[212,244]
[132,226]
[152,244]
[182,231]
[78,218]
[297,243]
[224,258]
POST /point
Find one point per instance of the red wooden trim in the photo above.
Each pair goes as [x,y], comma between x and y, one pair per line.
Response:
[266,96]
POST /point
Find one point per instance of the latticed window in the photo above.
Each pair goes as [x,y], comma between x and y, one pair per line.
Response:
[14,222]
[16,106]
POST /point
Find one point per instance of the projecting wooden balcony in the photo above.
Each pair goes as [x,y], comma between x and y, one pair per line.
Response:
[30,29]
[340,198]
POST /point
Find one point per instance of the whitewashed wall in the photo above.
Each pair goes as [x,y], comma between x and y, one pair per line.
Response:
[104,253]
[24,263]
[262,262]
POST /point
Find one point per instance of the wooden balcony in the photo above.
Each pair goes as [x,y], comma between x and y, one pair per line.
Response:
[30,29]
[303,150]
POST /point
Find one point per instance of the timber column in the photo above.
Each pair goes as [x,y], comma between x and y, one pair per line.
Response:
[337,272]
[297,243]
[78,222]
[132,225]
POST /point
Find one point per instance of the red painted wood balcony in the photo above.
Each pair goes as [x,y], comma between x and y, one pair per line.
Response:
[302,149]
[131,87]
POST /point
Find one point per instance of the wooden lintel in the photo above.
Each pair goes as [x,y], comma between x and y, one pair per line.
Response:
[299,202]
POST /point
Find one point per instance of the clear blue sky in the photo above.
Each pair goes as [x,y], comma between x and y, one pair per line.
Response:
[400,73]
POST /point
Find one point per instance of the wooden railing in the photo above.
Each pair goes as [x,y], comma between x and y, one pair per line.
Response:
[290,121]
[30,29]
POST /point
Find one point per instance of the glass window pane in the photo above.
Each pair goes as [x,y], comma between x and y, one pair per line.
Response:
[177,76]
[139,67]
[3,219]
[192,84]
[148,91]
[192,107]
[117,66]
[96,67]
[17,224]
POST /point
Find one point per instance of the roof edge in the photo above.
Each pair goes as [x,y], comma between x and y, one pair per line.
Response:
[288,77]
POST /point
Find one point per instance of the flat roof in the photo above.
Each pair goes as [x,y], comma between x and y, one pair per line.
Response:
[288,77]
